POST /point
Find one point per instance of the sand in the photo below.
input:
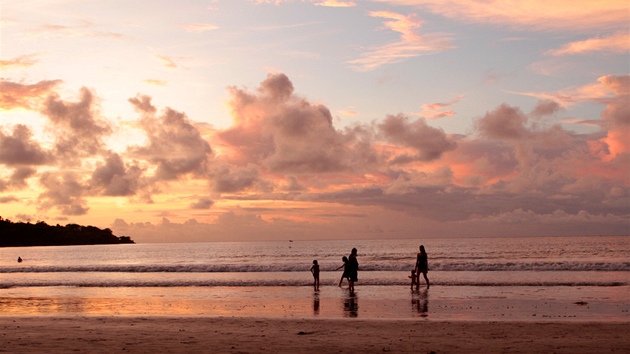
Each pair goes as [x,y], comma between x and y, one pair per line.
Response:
[155,334]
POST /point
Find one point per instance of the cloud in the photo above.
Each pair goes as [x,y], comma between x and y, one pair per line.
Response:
[20,175]
[174,145]
[15,95]
[166,61]
[83,29]
[536,15]
[615,43]
[78,127]
[612,91]
[436,110]
[505,122]
[23,61]
[284,133]
[546,108]
[64,192]
[335,3]
[411,43]
[7,199]
[202,203]
[428,143]
[114,178]
[228,179]
[19,149]
[198,27]
[155,82]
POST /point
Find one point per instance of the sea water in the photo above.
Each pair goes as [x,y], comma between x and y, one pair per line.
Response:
[467,274]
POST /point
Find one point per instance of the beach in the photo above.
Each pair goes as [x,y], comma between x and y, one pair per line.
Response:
[274,335]
[567,297]
[302,320]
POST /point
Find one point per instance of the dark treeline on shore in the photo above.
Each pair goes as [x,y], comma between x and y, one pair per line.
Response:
[41,234]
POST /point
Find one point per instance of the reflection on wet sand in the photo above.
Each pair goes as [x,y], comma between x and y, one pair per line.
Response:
[316,303]
[420,301]
[350,304]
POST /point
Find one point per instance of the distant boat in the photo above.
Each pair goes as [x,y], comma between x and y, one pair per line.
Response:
[290,240]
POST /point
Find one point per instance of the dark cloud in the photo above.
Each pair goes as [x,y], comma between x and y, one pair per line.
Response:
[618,108]
[546,108]
[504,122]
[114,178]
[230,180]
[202,203]
[77,126]
[18,149]
[174,144]
[8,198]
[64,191]
[427,142]
[20,175]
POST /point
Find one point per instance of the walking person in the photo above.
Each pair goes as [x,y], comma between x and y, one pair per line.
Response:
[422,266]
[353,269]
[344,275]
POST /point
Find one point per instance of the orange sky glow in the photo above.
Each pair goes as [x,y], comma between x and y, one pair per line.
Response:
[272,120]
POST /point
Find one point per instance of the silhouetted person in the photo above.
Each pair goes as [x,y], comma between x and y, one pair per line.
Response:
[345,269]
[19,259]
[422,266]
[414,279]
[315,271]
[353,269]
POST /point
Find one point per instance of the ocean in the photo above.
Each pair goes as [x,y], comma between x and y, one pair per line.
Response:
[589,276]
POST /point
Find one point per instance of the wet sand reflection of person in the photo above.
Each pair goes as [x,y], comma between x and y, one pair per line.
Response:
[351,305]
[316,303]
[420,302]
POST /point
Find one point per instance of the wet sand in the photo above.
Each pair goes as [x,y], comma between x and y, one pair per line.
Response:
[50,334]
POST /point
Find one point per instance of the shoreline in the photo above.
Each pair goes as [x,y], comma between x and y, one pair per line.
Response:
[523,304]
[139,334]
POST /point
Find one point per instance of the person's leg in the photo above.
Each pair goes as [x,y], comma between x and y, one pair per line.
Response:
[426,278]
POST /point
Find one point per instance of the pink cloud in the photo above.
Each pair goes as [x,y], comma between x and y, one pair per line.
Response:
[174,145]
[436,110]
[538,15]
[285,133]
[335,3]
[411,43]
[616,43]
[14,95]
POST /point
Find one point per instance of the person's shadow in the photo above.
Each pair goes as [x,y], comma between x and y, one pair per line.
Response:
[350,304]
[420,301]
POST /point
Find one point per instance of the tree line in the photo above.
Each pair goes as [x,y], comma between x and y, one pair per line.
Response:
[16,234]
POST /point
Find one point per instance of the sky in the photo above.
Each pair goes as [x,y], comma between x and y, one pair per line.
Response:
[241,120]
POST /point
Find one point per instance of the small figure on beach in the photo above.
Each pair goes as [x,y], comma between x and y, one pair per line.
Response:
[352,269]
[344,275]
[422,266]
[19,259]
[414,280]
[315,271]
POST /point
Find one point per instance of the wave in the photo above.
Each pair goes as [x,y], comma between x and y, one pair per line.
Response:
[257,268]
[293,283]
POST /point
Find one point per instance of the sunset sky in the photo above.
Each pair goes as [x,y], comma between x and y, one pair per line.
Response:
[174,121]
